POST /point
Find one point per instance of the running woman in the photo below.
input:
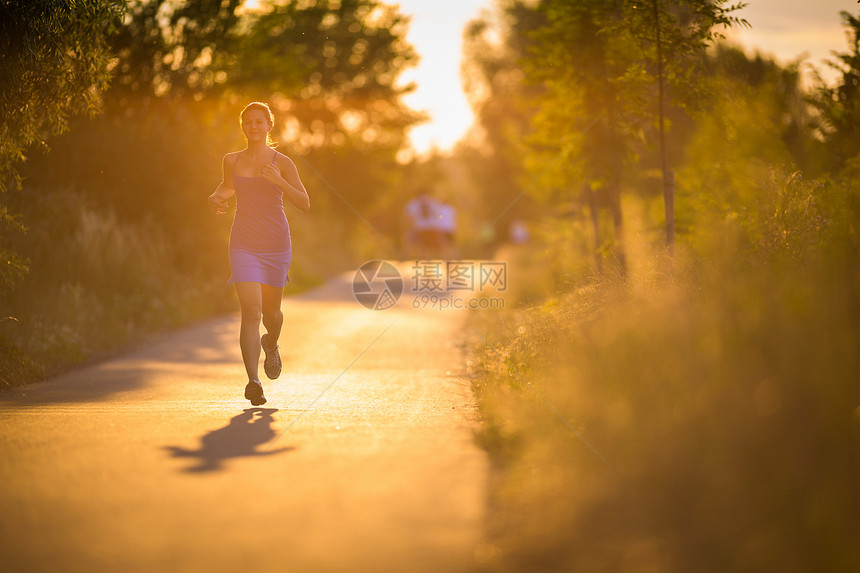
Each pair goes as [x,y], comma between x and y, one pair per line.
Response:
[260,249]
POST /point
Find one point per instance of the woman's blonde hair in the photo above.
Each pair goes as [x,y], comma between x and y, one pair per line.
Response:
[264,107]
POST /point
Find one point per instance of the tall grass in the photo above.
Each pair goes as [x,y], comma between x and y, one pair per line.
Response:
[96,284]
[722,389]
[100,281]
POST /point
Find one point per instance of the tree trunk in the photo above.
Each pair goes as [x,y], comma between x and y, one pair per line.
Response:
[668,175]
[669,202]
[594,209]
[617,223]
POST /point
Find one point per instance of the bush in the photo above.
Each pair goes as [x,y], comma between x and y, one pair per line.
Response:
[721,390]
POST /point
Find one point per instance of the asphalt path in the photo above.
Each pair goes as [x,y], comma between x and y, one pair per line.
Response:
[363,459]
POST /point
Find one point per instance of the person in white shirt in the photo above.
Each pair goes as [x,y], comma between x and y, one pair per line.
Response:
[424,236]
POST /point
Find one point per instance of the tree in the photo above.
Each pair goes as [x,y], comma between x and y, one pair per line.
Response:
[839,105]
[727,64]
[588,101]
[54,59]
[334,62]
[673,35]
[608,70]
[624,62]
[329,70]
[344,59]
[174,50]
[493,48]
[334,68]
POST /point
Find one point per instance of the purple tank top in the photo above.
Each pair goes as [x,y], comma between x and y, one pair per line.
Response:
[260,224]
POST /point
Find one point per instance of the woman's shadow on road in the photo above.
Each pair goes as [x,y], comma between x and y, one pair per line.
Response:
[238,439]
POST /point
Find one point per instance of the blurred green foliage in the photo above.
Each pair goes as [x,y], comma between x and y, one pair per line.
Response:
[120,239]
[839,105]
[720,384]
[724,400]
[54,60]
[493,81]
[54,63]
[584,89]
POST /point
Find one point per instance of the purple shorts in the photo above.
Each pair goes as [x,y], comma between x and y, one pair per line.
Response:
[266,268]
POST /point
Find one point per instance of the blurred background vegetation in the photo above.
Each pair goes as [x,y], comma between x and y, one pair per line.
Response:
[688,298]
[115,116]
[652,406]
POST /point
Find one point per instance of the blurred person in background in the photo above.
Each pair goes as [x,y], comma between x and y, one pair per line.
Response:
[518,232]
[446,223]
[423,238]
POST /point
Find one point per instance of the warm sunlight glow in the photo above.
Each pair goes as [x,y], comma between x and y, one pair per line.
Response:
[436,33]
[792,29]
[785,29]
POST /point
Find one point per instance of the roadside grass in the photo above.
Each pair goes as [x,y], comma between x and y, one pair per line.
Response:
[722,389]
[98,284]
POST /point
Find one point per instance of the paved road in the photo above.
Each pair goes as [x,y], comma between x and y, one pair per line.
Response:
[362,460]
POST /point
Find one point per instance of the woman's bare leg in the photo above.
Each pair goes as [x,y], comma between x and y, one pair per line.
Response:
[251,302]
[273,318]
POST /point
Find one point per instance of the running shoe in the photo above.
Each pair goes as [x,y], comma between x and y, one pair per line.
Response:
[272,363]
[254,393]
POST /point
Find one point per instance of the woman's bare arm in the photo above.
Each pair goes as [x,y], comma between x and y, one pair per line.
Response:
[285,175]
[218,199]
